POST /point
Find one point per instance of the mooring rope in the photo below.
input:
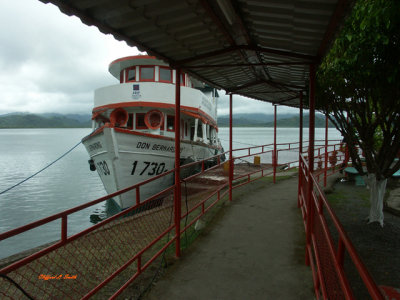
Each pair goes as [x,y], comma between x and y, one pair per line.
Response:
[26,179]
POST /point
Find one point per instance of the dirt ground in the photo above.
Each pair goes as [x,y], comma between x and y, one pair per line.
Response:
[379,247]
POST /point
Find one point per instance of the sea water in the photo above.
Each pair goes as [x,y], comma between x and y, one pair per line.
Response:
[69,182]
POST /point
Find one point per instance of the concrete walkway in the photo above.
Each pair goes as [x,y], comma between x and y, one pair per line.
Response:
[253,250]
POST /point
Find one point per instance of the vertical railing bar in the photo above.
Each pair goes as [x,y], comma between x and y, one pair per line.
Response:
[64,228]
[139,264]
[137,195]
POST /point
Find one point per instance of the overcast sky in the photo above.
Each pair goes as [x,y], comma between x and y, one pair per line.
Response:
[50,62]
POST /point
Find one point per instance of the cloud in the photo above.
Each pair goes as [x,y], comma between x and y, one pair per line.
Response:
[50,62]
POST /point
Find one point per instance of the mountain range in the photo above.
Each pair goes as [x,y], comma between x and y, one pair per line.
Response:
[54,120]
[267,120]
[47,120]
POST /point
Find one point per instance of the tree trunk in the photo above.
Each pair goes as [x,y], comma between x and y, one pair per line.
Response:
[377,192]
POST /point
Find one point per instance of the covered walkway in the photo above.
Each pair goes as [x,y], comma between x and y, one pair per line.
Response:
[253,250]
[265,50]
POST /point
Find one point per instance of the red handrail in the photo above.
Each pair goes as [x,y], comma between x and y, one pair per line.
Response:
[344,243]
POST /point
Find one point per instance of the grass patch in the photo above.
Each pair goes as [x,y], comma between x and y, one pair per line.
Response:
[335,198]
[363,197]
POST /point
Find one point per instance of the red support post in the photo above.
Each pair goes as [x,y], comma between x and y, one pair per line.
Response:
[311,131]
[230,148]
[326,149]
[300,147]
[177,194]
[301,124]
[274,160]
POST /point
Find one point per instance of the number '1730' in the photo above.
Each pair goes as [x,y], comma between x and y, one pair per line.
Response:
[148,168]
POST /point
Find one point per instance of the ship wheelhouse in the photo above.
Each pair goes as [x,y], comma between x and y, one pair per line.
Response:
[144,92]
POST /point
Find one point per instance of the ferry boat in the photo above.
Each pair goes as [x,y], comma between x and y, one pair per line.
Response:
[133,136]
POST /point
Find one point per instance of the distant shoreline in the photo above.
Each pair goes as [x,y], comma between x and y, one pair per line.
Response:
[44,127]
[53,120]
[252,126]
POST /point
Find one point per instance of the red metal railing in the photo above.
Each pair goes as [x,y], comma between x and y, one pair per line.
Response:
[76,253]
[109,256]
[326,246]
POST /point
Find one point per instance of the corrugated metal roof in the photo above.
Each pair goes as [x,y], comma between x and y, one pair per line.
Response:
[257,48]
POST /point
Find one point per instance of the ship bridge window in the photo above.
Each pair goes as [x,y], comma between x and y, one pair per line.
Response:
[183,79]
[200,129]
[146,73]
[131,76]
[140,124]
[170,123]
[165,75]
[192,132]
[129,125]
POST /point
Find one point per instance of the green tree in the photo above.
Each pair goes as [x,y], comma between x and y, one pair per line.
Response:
[360,79]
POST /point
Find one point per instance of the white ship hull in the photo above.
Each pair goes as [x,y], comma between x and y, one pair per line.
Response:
[134,127]
[124,158]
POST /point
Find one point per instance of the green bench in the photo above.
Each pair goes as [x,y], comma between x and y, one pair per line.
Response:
[396,174]
[353,174]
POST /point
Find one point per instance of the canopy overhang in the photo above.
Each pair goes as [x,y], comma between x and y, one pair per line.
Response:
[260,49]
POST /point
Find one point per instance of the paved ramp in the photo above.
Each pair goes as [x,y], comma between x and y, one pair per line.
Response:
[253,250]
